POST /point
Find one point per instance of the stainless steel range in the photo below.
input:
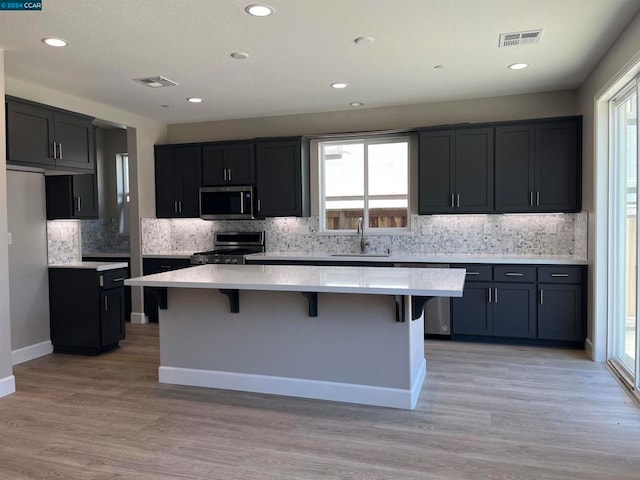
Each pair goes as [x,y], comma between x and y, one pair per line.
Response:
[231,247]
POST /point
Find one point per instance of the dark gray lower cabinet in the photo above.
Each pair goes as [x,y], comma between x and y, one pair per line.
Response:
[86,309]
[541,304]
[560,312]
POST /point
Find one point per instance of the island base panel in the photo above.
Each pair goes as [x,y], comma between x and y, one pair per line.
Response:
[353,351]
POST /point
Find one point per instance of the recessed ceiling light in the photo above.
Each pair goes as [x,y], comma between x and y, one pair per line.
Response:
[356,104]
[164,106]
[518,66]
[55,42]
[194,100]
[259,10]
[364,40]
[438,67]
[339,85]
[240,55]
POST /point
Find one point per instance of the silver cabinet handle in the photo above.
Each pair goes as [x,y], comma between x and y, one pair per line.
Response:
[78,204]
[531,198]
[102,280]
[229,174]
[489,290]
[60,150]
[224,173]
[259,205]
[121,279]
[537,199]
[495,295]
[179,206]
[473,273]
[106,304]
[559,274]
[458,200]
[452,200]
[541,297]
[55,151]
[175,206]
[514,274]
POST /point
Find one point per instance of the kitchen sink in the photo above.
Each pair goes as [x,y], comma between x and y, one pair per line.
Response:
[359,254]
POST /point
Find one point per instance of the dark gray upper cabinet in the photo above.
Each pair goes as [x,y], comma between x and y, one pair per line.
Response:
[178,179]
[282,177]
[456,171]
[538,166]
[228,164]
[71,196]
[41,136]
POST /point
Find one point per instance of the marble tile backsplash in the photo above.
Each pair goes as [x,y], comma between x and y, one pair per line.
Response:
[538,234]
[63,241]
[102,236]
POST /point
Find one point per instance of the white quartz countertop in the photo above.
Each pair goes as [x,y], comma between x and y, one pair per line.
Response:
[170,254]
[98,266]
[422,258]
[298,278]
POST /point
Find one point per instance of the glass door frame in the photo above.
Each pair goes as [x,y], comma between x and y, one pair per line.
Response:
[616,276]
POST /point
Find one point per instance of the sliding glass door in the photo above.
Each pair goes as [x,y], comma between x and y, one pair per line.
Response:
[623,231]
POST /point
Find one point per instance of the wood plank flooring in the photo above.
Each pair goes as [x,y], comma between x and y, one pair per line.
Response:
[485,412]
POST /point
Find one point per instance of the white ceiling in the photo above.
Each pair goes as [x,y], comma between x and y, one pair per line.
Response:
[298,51]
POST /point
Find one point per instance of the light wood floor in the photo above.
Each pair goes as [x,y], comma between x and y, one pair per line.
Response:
[485,412]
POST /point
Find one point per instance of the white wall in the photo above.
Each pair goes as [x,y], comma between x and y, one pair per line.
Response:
[7,384]
[615,63]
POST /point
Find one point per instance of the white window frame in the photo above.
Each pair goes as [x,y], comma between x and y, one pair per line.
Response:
[366,141]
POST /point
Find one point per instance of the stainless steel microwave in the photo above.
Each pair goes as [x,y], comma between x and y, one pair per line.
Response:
[226,203]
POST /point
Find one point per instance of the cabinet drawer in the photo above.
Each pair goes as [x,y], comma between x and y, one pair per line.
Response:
[476,273]
[560,274]
[112,278]
[159,265]
[514,273]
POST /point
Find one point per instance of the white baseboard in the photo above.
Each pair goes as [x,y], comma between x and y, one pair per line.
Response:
[588,347]
[295,387]
[139,318]
[25,354]
[7,385]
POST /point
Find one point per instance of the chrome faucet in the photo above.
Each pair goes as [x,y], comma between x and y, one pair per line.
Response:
[363,243]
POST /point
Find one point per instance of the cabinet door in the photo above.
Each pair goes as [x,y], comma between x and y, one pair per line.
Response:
[111,316]
[279,179]
[514,168]
[85,198]
[213,166]
[166,196]
[557,178]
[436,172]
[514,310]
[474,170]
[560,314]
[471,314]
[29,134]
[241,165]
[187,171]
[74,136]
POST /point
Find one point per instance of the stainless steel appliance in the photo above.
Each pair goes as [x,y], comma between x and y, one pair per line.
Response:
[437,311]
[231,247]
[226,203]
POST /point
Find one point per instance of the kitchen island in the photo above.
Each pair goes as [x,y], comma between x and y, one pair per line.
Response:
[352,334]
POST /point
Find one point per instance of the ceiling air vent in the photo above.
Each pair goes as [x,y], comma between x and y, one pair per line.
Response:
[155,82]
[520,38]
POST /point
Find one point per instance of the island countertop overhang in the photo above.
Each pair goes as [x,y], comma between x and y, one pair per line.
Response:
[445,282]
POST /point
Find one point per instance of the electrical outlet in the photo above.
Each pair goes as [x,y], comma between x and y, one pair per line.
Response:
[486,228]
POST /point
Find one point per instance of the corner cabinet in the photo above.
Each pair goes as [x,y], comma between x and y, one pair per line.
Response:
[45,137]
[228,164]
[282,177]
[71,196]
[178,180]
[456,170]
[87,309]
[538,166]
